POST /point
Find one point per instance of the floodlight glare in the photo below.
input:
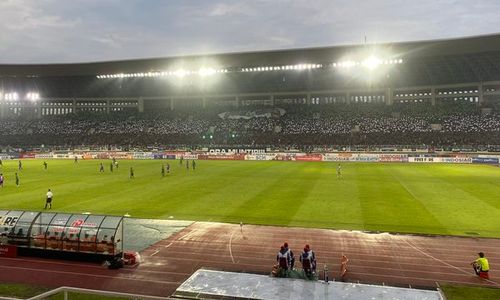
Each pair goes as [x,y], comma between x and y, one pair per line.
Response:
[206,71]
[180,73]
[371,62]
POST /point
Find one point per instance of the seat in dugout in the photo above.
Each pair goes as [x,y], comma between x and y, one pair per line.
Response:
[85,233]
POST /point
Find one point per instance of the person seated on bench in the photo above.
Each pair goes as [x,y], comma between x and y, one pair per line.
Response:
[481,266]
[283,259]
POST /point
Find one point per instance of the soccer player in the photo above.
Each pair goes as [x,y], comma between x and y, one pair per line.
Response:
[48,202]
[1,180]
[162,170]
[17,180]
[76,159]
[45,165]
[339,171]
[1,163]
[187,164]
[131,173]
[193,163]
[111,167]
[101,168]
[20,165]
[168,168]
[181,160]
[116,164]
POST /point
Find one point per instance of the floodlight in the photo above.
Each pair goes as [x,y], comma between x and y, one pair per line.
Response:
[206,71]
[371,62]
[180,73]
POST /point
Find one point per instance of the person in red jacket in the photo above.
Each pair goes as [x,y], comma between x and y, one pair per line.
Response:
[283,259]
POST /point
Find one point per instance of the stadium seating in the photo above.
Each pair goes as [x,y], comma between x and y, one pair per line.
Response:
[337,125]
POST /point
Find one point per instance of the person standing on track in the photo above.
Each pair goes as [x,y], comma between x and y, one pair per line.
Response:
[481,266]
[283,259]
[290,253]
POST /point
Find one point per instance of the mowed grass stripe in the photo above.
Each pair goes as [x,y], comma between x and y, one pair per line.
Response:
[420,198]
[447,202]
[387,204]
[332,201]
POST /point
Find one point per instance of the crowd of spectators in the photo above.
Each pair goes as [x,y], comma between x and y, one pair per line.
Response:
[343,126]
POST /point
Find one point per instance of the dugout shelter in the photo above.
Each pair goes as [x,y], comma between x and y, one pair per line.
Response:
[62,235]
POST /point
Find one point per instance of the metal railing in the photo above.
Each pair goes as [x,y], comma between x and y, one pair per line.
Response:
[65,290]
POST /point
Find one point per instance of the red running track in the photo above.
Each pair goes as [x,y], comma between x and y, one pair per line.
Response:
[400,260]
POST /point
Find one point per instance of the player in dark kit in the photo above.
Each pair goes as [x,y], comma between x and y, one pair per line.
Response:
[181,160]
[1,180]
[17,180]
[162,170]
[168,168]
[45,165]
[187,165]
[111,167]
[101,168]
[20,165]
[76,159]
[193,163]
[131,173]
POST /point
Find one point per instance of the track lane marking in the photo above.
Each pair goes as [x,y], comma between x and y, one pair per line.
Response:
[445,263]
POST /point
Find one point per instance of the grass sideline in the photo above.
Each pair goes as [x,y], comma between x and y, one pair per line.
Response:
[457,292]
[409,198]
[24,291]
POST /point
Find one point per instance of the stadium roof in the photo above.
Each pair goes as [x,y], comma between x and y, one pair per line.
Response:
[484,51]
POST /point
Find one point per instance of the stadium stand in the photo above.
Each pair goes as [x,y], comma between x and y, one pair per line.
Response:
[443,93]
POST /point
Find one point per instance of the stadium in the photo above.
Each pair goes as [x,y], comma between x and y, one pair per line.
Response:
[385,153]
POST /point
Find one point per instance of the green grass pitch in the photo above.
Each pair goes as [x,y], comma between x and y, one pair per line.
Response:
[409,198]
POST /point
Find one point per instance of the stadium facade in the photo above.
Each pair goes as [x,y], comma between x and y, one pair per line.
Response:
[423,72]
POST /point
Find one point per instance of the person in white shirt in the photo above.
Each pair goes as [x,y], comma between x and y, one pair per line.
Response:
[49,199]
